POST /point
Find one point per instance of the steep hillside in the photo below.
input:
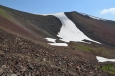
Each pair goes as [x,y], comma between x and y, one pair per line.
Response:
[97,29]
[40,26]
[25,49]
[20,56]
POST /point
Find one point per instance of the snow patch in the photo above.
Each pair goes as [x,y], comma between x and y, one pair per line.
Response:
[58,44]
[54,42]
[50,39]
[102,59]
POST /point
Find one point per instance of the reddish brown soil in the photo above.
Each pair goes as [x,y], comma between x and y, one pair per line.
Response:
[17,29]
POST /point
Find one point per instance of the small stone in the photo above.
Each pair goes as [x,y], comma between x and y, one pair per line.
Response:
[31,67]
[78,68]
[14,75]
[3,66]
[23,69]
[1,71]
[29,74]
[44,59]
[91,72]
[37,55]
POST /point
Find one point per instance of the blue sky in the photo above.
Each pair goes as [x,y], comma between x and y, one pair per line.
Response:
[99,8]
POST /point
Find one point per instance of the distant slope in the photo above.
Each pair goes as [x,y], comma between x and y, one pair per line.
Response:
[99,30]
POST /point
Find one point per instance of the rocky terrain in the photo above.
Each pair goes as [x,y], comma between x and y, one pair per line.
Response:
[25,52]
[22,57]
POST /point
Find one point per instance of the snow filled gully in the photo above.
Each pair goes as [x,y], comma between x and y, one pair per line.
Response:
[68,32]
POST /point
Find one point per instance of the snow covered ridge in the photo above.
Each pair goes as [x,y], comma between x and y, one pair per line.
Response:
[69,31]
[102,59]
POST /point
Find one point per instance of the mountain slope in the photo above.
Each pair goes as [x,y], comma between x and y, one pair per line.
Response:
[35,24]
[49,26]
[99,30]
[20,56]
[24,48]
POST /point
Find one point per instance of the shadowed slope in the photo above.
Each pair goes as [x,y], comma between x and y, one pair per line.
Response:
[38,25]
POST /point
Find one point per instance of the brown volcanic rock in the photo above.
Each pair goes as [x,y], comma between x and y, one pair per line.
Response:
[36,26]
[99,30]
[20,56]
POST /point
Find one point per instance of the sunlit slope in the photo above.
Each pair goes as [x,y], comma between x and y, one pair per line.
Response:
[97,29]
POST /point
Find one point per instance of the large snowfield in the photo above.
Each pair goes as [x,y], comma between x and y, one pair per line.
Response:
[69,31]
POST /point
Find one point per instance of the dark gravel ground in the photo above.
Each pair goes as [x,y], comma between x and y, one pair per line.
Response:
[22,57]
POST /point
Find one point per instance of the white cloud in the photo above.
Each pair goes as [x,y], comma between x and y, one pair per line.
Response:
[110,11]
